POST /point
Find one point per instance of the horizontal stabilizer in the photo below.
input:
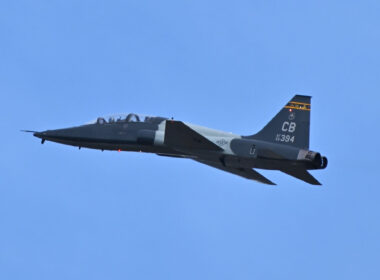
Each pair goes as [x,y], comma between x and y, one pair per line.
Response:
[243,172]
[302,174]
[178,134]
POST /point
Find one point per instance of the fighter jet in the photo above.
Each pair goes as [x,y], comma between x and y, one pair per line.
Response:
[283,144]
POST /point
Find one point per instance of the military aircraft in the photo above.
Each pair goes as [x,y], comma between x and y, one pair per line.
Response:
[283,144]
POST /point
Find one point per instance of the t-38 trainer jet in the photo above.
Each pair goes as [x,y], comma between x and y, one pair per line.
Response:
[283,144]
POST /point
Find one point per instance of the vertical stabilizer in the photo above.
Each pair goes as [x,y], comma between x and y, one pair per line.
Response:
[291,126]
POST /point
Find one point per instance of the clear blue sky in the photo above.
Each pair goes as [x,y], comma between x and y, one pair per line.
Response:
[231,65]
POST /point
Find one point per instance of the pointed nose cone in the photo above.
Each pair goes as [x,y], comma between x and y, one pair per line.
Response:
[71,136]
[55,135]
[38,134]
[46,134]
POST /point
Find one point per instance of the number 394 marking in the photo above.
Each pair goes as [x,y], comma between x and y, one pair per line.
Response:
[285,138]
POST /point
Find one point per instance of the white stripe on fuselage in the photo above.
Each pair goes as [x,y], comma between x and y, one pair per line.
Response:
[218,137]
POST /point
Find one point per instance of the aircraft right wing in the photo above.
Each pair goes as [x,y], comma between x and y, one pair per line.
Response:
[243,172]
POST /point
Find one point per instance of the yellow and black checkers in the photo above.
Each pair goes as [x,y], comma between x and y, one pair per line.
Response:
[298,106]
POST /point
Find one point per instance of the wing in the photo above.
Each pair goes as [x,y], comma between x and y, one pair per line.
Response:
[243,172]
[301,174]
[177,134]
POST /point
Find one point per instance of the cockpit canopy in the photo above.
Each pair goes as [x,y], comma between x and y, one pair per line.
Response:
[128,118]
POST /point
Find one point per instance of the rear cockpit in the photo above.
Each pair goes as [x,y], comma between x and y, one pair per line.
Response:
[127,118]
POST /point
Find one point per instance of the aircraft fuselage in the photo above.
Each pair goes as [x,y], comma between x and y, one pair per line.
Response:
[281,145]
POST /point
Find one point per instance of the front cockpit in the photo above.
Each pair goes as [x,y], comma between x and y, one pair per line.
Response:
[127,118]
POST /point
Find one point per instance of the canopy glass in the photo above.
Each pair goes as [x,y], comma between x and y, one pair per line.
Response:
[127,118]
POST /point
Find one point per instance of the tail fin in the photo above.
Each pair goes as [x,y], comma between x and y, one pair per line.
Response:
[290,126]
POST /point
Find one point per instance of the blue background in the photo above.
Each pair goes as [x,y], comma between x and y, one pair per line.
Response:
[230,65]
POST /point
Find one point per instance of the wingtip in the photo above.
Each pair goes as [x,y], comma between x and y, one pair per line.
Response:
[268,182]
[315,183]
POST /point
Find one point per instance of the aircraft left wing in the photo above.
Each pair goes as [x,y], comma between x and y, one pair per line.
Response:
[178,134]
[243,172]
